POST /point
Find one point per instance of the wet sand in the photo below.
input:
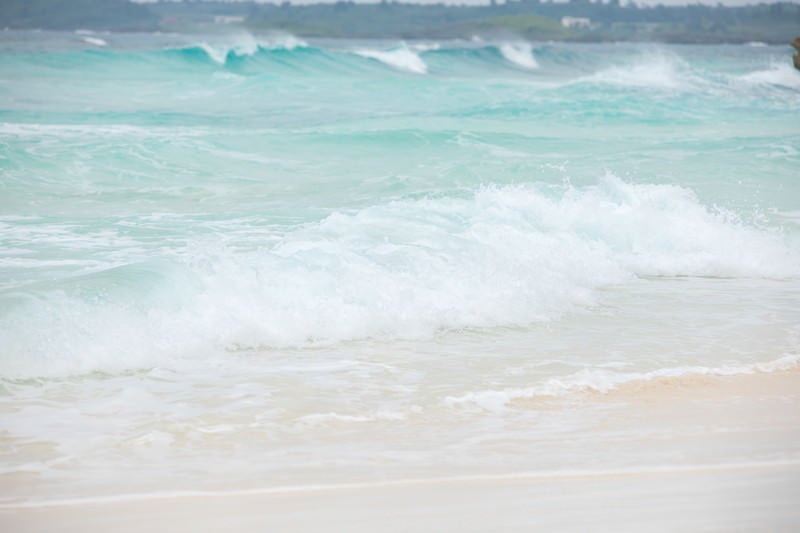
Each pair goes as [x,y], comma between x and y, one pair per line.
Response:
[735,441]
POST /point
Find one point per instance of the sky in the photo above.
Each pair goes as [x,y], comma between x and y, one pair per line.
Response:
[485,2]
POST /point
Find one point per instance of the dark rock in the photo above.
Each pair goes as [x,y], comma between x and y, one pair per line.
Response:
[796,44]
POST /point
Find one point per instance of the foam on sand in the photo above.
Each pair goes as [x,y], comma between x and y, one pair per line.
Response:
[647,453]
[604,381]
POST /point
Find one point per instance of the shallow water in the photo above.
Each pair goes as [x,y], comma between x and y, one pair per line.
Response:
[275,261]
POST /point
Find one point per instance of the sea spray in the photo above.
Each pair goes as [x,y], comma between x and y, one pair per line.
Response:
[520,54]
[508,256]
[402,58]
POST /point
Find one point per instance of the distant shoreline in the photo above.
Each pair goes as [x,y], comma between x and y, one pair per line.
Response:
[531,20]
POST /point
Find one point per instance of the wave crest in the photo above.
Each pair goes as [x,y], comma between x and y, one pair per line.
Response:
[783,75]
[520,54]
[503,256]
[245,44]
[401,58]
[657,70]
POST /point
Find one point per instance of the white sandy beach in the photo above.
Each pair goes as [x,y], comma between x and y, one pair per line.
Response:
[736,466]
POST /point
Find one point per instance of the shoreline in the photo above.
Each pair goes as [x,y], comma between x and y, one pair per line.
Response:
[234,30]
[749,500]
[521,477]
[733,440]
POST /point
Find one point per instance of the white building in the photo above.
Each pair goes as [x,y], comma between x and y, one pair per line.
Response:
[575,22]
[227,19]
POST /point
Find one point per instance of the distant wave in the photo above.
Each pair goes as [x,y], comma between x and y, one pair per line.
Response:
[242,45]
[412,58]
[95,41]
[521,54]
[289,52]
[667,71]
[783,75]
[246,51]
[658,70]
[401,58]
[286,52]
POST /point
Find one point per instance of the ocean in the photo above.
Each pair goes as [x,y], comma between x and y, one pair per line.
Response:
[236,262]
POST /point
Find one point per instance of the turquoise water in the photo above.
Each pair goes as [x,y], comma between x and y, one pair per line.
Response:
[216,242]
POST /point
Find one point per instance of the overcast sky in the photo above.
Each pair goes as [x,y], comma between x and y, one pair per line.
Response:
[480,2]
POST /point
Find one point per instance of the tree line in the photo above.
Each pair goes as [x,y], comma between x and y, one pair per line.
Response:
[530,19]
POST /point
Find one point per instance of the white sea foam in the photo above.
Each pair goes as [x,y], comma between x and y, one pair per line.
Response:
[96,41]
[520,54]
[328,418]
[780,74]
[658,70]
[504,256]
[402,58]
[216,53]
[34,130]
[424,47]
[245,44]
[228,76]
[285,41]
[604,381]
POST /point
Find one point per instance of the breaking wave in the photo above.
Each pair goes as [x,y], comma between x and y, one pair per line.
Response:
[402,58]
[520,54]
[783,75]
[502,256]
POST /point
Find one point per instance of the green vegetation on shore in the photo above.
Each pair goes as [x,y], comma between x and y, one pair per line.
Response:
[76,14]
[530,19]
[525,25]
